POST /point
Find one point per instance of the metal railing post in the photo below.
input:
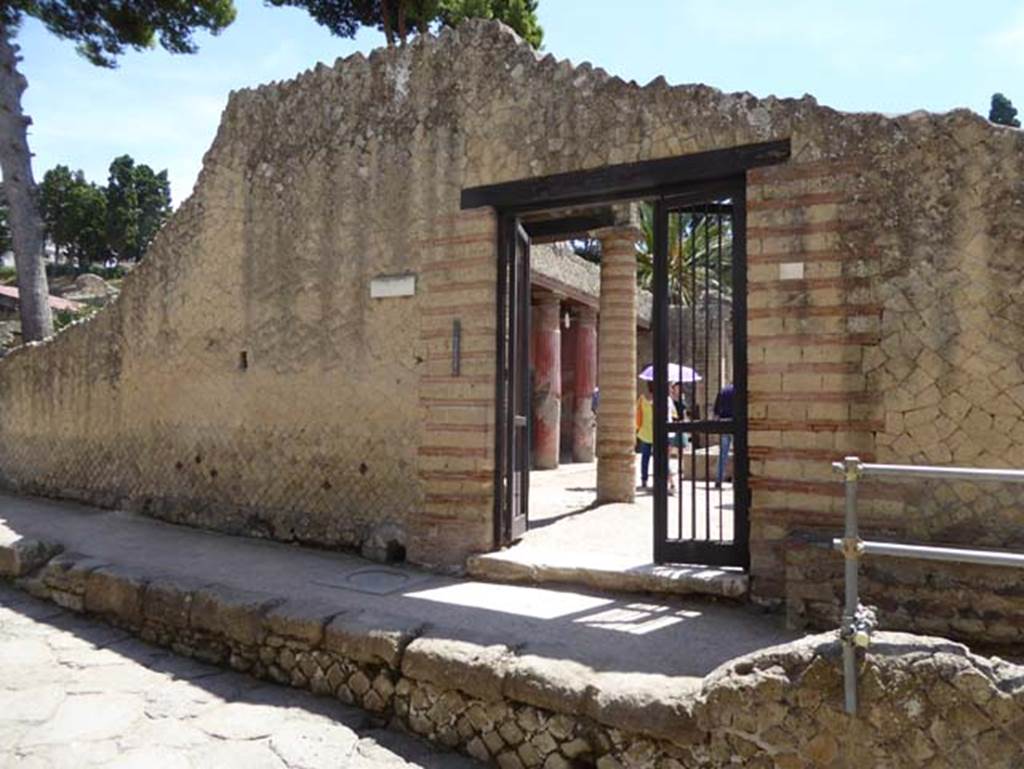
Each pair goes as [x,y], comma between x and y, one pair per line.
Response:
[859,622]
[851,554]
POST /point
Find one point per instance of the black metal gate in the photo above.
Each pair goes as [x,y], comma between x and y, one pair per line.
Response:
[512,448]
[701,497]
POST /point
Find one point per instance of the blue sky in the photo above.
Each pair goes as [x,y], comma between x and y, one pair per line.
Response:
[870,55]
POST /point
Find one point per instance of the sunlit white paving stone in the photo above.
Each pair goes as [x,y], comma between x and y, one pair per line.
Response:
[27,705]
[88,718]
[240,721]
[151,758]
[527,602]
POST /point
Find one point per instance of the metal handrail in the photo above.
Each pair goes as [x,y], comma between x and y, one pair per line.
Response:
[859,621]
[942,473]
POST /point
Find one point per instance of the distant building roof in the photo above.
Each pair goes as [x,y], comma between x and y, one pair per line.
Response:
[556,268]
[56,302]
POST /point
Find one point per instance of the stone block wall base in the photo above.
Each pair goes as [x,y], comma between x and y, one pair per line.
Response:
[974,604]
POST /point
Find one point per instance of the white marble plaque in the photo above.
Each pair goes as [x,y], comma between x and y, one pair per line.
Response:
[386,286]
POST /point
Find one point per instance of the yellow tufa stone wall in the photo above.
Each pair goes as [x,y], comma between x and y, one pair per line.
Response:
[903,341]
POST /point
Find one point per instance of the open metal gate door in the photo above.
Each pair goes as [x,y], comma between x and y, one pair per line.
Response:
[512,449]
[701,497]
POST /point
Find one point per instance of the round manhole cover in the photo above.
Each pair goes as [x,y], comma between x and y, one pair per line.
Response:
[377,580]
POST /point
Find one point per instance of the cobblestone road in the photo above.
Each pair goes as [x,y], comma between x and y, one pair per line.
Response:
[76,693]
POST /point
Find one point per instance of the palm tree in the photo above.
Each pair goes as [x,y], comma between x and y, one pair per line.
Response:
[699,254]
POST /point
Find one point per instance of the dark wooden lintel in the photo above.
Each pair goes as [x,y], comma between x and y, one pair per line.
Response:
[624,181]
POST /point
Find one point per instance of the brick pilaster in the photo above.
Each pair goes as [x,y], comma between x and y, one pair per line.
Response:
[616,365]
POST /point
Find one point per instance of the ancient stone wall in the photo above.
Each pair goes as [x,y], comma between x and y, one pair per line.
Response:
[901,339]
[924,702]
[246,380]
[902,342]
[976,604]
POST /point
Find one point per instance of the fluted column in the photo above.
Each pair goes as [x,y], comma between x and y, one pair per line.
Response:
[583,389]
[616,366]
[547,381]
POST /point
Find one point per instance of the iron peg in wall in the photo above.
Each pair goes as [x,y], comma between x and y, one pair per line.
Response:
[456,347]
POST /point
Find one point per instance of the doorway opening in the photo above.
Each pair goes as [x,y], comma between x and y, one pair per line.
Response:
[675,390]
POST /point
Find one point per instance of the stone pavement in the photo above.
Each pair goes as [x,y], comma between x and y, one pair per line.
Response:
[605,632]
[571,541]
[563,515]
[77,693]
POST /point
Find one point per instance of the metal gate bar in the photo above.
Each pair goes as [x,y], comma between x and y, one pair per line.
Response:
[511,486]
[692,262]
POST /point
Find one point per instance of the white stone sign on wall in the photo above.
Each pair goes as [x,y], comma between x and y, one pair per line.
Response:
[387,286]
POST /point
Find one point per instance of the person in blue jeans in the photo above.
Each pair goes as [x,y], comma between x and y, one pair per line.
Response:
[723,410]
[645,433]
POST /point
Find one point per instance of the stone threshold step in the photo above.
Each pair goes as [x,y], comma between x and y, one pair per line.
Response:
[592,570]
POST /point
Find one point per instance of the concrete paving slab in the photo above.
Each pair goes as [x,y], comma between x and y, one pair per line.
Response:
[602,630]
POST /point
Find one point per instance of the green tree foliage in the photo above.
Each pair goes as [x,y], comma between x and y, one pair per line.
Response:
[1003,112]
[521,15]
[89,213]
[74,215]
[342,18]
[397,18]
[153,193]
[102,30]
[693,255]
[138,201]
[88,223]
[122,207]
[55,206]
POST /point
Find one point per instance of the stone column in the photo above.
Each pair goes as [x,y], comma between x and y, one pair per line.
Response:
[547,381]
[616,366]
[585,381]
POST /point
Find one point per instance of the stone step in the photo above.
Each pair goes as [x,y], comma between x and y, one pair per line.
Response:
[607,572]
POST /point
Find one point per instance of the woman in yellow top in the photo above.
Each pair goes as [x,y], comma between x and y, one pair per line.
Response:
[645,433]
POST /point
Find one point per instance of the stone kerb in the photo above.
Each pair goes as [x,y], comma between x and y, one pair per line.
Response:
[22,556]
[925,702]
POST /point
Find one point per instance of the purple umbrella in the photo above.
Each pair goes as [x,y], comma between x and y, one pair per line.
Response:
[676,373]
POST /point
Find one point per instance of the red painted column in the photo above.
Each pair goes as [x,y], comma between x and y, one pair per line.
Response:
[583,419]
[547,381]
[568,381]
